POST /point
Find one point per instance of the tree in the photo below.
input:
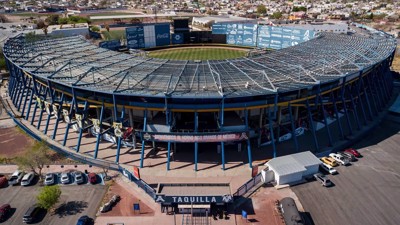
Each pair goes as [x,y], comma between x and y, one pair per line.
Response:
[52,19]
[40,24]
[35,158]
[276,15]
[2,61]
[261,9]
[48,196]
[95,28]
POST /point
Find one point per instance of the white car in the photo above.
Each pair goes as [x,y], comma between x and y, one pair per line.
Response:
[27,179]
[49,179]
[340,159]
[328,168]
[65,178]
[16,178]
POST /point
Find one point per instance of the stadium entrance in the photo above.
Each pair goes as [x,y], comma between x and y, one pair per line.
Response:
[198,199]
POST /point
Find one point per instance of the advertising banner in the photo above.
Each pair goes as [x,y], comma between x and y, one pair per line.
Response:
[112,45]
[191,138]
[162,34]
[135,37]
[219,28]
[177,39]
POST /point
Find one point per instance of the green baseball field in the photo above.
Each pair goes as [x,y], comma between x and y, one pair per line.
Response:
[198,53]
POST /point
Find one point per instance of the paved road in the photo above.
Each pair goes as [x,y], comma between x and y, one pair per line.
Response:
[366,192]
[75,201]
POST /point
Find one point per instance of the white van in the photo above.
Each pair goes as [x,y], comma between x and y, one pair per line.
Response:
[328,168]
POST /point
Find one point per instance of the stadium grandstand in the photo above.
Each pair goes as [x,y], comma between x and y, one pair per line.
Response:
[262,100]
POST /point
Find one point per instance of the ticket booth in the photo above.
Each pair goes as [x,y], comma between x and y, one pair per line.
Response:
[196,198]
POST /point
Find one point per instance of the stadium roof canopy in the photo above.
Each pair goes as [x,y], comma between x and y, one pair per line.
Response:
[73,61]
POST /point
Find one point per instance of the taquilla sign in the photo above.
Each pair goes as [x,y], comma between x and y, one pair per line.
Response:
[193,199]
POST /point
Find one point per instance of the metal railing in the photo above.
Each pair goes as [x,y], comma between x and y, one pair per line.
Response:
[247,186]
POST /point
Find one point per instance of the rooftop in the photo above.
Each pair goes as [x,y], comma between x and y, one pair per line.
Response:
[73,61]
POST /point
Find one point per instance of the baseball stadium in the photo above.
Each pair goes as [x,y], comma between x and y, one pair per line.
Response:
[136,110]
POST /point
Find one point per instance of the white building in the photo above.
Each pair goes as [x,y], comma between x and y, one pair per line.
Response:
[291,168]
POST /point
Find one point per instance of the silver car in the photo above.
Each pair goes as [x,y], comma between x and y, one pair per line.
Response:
[79,177]
[49,179]
[65,178]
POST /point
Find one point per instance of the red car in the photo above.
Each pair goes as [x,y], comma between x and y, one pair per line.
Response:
[4,211]
[353,152]
[92,178]
[3,181]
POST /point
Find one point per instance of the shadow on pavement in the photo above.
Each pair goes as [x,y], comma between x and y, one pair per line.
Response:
[70,208]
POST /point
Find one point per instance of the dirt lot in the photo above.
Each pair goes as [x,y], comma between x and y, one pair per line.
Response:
[125,206]
[13,142]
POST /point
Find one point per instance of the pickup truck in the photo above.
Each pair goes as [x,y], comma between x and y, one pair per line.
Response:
[340,159]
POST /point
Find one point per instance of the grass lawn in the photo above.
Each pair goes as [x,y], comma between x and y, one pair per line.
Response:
[113,34]
[198,53]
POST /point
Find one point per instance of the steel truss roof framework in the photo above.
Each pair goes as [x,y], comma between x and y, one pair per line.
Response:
[73,61]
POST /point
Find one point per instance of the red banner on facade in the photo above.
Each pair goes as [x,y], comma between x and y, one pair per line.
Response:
[175,137]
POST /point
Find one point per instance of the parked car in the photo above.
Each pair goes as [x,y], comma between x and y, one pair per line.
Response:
[78,176]
[16,178]
[84,220]
[3,181]
[328,168]
[4,212]
[27,179]
[49,179]
[92,178]
[323,179]
[31,214]
[353,152]
[340,159]
[349,156]
[65,178]
[328,160]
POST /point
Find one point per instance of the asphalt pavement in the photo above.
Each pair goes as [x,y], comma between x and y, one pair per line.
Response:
[75,201]
[365,193]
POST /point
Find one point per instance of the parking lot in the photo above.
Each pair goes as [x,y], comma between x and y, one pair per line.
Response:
[75,201]
[367,192]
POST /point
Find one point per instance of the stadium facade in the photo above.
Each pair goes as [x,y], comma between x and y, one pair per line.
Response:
[261,100]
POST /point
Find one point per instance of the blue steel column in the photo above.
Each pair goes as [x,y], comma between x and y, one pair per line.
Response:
[196,145]
[52,93]
[84,115]
[366,97]
[69,124]
[324,114]
[119,138]
[312,125]
[377,92]
[144,130]
[296,145]
[271,131]
[222,143]
[22,91]
[248,140]
[96,149]
[372,92]
[354,108]
[29,105]
[41,110]
[28,91]
[345,107]
[381,78]
[337,115]
[360,99]
[58,116]
[167,120]
[19,90]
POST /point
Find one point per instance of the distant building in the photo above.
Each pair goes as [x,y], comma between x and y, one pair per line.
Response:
[67,30]
[208,21]
[338,28]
